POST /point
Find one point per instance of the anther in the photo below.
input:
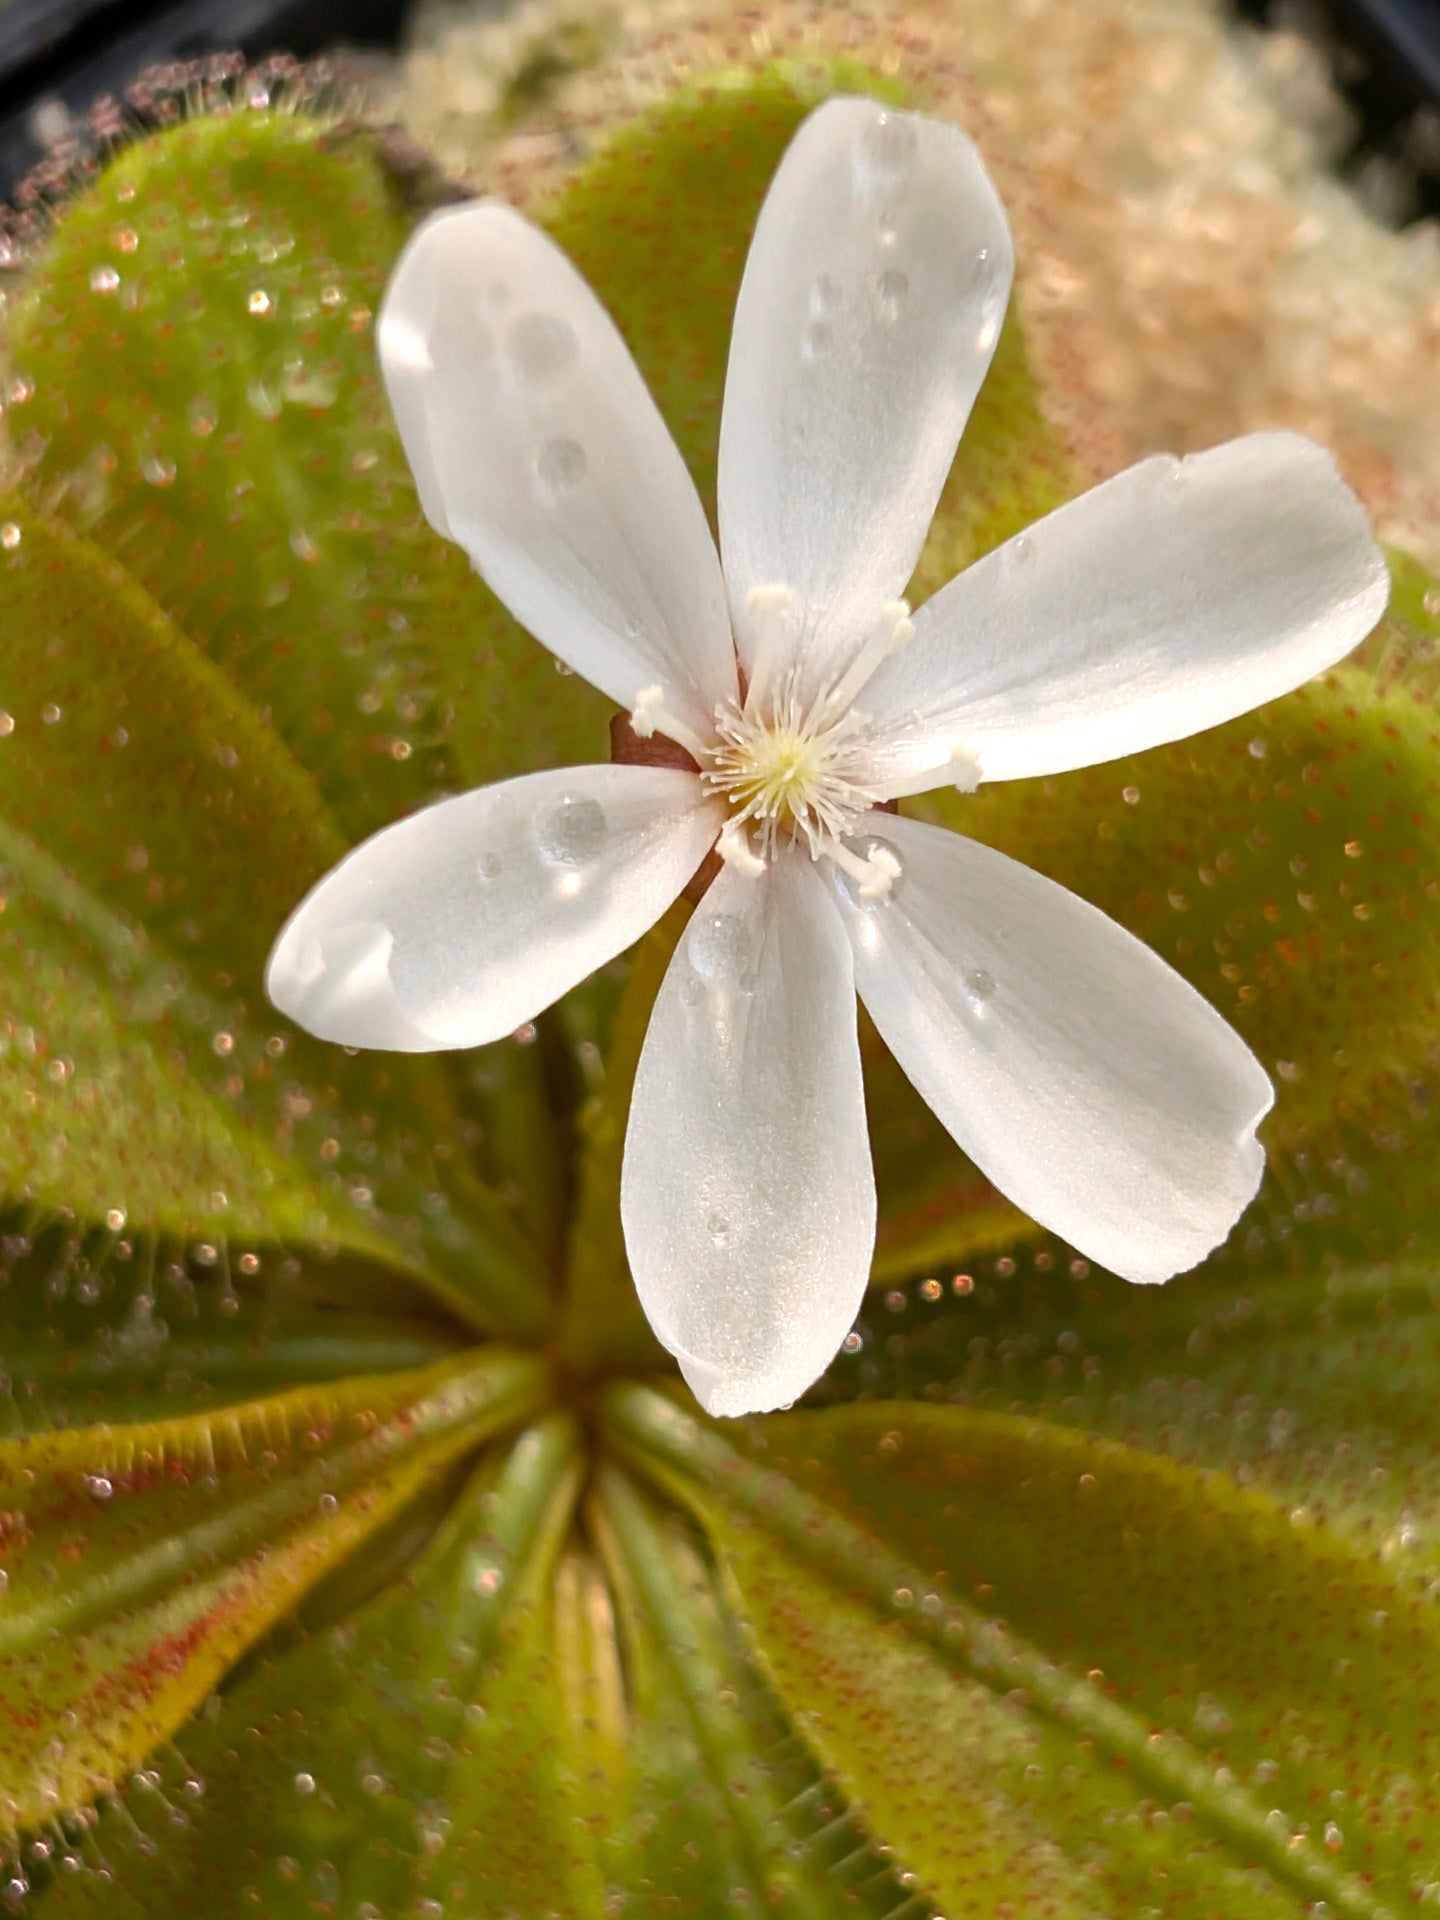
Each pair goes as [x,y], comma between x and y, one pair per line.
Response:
[644,714]
[734,849]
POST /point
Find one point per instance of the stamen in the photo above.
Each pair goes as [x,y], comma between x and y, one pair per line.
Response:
[769,604]
[964,768]
[734,849]
[893,629]
[649,716]
[876,871]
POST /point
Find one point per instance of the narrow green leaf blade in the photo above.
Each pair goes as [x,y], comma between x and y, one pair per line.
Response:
[1075,1606]
[141,1561]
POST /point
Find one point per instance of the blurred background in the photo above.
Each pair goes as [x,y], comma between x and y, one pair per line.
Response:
[57,56]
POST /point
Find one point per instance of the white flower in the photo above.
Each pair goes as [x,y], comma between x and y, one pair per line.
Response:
[1082,1075]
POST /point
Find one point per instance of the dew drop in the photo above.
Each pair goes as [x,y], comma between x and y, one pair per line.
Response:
[541,348]
[979,990]
[4,1580]
[50,713]
[104,279]
[305,1783]
[488,866]
[9,536]
[717,946]
[560,465]
[718,1228]
[891,292]
[157,472]
[824,295]
[260,302]
[1021,549]
[889,144]
[7,725]
[572,832]
[98,1486]
[816,341]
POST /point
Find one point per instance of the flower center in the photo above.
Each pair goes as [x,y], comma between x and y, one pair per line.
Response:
[791,765]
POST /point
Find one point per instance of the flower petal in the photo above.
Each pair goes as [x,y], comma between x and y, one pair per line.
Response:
[1082,1075]
[536,446]
[747,1194]
[455,926]
[867,318]
[1175,596]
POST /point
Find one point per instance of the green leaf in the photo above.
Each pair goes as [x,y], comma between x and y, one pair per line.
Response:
[196,346]
[142,1561]
[602,1326]
[341,1761]
[154,834]
[727,1809]
[101,1325]
[1141,1673]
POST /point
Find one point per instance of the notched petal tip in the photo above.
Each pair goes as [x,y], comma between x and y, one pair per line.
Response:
[337,986]
[727,1398]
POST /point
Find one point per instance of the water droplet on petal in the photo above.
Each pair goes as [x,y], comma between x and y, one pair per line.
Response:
[98,1486]
[541,347]
[560,466]
[979,991]
[824,295]
[488,866]
[891,291]
[572,832]
[104,279]
[718,946]
[816,341]
[718,1228]
[889,145]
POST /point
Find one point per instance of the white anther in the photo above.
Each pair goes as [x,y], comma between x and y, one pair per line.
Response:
[645,714]
[882,871]
[964,769]
[902,627]
[734,849]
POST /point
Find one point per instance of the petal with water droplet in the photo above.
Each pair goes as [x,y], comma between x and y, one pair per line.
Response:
[454,927]
[867,318]
[536,447]
[747,1195]
[1082,1075]
[1175,596]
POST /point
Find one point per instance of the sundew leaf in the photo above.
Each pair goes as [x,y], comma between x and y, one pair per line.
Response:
[141,1561]
[101,1324]
[197,390]
[337,1764]
[154,833]
[516,1726]
[1150,1685]
[728,1810]
[1315,1385]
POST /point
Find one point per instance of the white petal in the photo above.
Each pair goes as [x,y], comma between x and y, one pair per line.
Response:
[1175,596]
[747,1194]
[1082,1075]
[536,446]
[867,318]
[457,925]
